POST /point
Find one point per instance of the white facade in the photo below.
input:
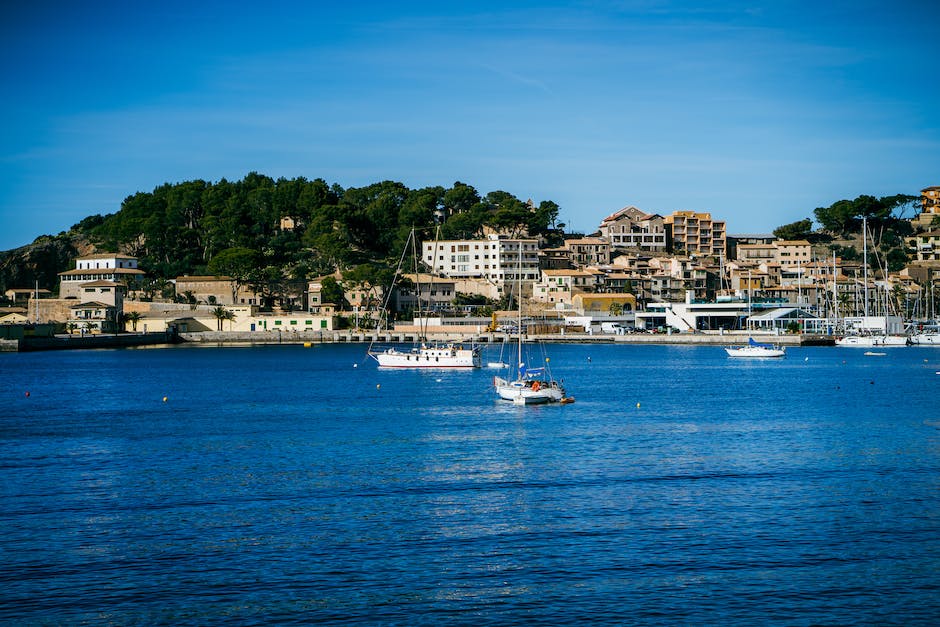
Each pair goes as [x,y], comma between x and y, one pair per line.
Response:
[102,267]
[493,259]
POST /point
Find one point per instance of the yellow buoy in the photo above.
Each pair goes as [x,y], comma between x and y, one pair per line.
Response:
[164,399]
[378,386]
[637,405]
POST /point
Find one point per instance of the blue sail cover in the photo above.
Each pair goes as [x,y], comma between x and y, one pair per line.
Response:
[533,373]
[751,342]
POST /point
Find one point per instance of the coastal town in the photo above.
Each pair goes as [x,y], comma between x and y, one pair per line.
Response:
[680,275]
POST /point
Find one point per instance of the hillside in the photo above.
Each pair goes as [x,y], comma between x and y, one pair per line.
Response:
[272,231]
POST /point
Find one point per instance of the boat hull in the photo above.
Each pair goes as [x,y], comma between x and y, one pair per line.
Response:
[926,339]
[525,393]
[872,340]
[438,357]
[755,353]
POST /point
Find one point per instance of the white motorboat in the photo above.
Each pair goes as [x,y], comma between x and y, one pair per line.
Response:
[424,354]
[928,338]
[435,356]
[756,349]
[869,341]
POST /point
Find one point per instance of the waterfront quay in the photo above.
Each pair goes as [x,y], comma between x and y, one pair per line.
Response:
[410,337]
[248,338]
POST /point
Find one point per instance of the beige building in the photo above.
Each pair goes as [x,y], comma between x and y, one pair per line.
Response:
[216,290]
[784,252]
[21,296]
[602,303]
[632,228]
[925,246]
[589,251]
[793,252]
[696,233]
[559,286]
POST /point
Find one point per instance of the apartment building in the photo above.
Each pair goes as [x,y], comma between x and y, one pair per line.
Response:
[588,251]
[632,228]
[497,259]
[696,233]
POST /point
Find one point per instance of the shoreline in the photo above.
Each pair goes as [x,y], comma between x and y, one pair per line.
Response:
[268,338]
[386,337]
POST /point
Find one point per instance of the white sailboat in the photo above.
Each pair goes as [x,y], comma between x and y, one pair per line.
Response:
[424,354]
[532,385]
[756,349]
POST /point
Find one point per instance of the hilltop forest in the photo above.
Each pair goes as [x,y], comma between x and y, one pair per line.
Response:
[235,228]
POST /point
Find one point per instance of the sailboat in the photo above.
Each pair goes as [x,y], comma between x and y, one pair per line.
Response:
[425,354]
[756,349]
[870,339]
[928,334]
[532,385]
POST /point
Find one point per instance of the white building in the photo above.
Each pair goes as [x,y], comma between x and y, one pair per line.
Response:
[495,259]
[102,267]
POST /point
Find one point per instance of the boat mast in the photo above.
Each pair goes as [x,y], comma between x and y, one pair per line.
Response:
[519,298]
[865,260]
[835,294]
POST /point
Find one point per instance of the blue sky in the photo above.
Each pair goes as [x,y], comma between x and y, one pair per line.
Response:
[758,112]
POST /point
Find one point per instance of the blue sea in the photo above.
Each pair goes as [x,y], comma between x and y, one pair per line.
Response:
[293,485]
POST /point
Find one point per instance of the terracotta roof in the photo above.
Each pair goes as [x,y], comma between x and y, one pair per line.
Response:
[554,272]
[27,290]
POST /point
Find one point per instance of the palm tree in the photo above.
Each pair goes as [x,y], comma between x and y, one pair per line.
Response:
[132,317]
[221,313]
[230,316]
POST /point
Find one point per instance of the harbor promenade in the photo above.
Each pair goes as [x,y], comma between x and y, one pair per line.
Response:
[386,337]
[236,338]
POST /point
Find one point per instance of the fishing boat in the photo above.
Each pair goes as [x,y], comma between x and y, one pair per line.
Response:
[531,385]
[756,349]
[424,354]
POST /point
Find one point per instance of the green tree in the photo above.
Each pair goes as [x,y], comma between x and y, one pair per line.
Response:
[801,229]
[332,292]
[240,264]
